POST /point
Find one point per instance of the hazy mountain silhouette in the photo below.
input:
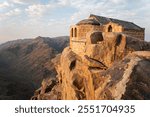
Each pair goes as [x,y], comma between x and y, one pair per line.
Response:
[25,63]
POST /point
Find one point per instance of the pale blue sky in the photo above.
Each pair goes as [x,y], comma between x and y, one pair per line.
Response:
[31,18]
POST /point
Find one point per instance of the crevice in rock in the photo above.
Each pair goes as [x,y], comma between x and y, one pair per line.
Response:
[49,87]
[104,67]
[72,65]
[96,68]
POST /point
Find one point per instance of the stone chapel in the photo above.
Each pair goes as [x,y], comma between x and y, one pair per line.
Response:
[79,31]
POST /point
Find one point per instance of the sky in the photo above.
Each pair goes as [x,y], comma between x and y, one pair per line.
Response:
[21,19]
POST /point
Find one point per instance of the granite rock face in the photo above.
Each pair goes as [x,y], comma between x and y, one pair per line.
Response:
[117,67]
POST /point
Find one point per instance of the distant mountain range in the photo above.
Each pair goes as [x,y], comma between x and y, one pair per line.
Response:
[25,63]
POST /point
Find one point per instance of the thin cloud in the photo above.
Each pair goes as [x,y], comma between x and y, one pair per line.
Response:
[10,13]
[64,2]
[38,10]
[25,1]
[4,4]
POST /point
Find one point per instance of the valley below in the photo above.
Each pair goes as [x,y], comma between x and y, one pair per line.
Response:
[24,63]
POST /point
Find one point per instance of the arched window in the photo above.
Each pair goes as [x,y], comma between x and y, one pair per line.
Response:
[72,32]
[75,32]
[110,28]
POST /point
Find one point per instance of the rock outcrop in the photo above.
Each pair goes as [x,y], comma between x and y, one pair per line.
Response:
[116,67]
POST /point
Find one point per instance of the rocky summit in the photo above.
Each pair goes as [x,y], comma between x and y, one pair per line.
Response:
[112,66]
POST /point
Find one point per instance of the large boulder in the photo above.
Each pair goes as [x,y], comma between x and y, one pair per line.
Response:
[115,47]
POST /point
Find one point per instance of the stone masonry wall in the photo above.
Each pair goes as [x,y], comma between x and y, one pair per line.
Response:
[78,40]
[78,34]
[78,47]
[84,29]
[135,33]
[115,27]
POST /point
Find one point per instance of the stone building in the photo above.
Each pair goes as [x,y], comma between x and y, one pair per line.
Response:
[80,32]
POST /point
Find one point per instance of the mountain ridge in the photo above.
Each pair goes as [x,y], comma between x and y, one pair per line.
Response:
[25,63]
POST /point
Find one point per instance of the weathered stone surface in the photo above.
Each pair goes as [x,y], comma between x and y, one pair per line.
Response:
[116,68]
[128,79]
[50,90]
[94,37]
[93,63]
[114,48]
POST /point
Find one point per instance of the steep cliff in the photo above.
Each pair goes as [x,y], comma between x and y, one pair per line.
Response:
[116,67]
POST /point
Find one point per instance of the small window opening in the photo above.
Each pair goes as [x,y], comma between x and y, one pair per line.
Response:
[110,28]
[75,32]
[72,32]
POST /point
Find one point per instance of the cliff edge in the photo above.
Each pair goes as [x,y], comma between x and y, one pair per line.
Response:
[112,66]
